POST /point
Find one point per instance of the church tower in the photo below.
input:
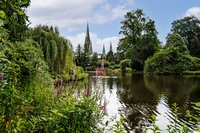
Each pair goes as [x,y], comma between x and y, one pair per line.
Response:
[103,56]
[111,47]
[88,43]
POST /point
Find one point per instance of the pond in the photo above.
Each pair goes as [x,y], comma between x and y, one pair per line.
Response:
[138,97]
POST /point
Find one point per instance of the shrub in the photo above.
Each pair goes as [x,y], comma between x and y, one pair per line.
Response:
[125,63]
[116,66]
[170,60]
[128,70]
[106,63]
[174,59]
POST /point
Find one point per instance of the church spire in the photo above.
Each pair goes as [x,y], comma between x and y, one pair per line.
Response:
[88,43]
[103,50]
[111,47]
[103,53]
[88,33]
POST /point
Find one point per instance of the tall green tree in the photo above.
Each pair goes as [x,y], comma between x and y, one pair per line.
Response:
[94,59]
[82,57]
[78,55]
[110,54]
[140,38]
[189,28]
[57,51]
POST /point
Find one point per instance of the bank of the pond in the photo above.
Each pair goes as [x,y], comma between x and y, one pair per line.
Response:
[109,71]
[192,72]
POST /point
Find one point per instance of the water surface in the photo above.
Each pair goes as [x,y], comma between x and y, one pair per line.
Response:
[138,97]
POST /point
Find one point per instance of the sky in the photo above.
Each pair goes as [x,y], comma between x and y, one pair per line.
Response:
[104,17]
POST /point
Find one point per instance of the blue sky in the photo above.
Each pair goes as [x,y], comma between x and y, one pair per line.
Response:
[104,17]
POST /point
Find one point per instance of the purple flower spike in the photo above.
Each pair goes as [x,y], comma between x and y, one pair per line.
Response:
[105,105]
[86,91]
[1,76]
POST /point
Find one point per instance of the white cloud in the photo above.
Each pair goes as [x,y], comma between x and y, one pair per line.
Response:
[72,14]
[97,43]
[69,15]
[107,13]
[193,11]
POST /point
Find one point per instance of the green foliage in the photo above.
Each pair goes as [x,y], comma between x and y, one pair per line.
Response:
[26,58]
[177,41]
[174,59]
[83,58]
[80,73]
[118,126]
[177,126]
[125,63]
[129,70]
[27,103]
[12,15]
[3,32]
[57,51]
[69,115]
[154,128]
[94,59]
[106,63]
[140,38]
[192,72]
[189,28]
[25,85]
[78,55]
[110,56]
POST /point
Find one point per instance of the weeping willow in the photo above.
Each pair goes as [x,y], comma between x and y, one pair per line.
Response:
[57,51]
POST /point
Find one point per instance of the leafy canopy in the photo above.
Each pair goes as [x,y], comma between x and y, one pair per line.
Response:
[13,18]
[173,59]
[189,28]
[140,38]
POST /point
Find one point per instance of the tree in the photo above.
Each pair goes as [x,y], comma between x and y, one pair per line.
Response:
[189,28]
[110,55]
[78,55]
[57,51]
[173,59]
[140,38]
[82,57]
[123,64]
[94,59]
[177,41]
[12,14]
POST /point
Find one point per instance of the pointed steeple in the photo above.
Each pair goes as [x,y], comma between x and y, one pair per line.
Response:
[103,56]
[103,53]
[88,43]
[88,32]
[111,47]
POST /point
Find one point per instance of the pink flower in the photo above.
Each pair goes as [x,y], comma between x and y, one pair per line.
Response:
[86,91]
[105,105]
[1,76]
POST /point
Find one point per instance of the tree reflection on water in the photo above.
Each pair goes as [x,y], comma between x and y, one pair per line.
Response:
[142,96]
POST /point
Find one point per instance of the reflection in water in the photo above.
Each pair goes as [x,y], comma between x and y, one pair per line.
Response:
[177,89]
[137,97]
[139,102]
